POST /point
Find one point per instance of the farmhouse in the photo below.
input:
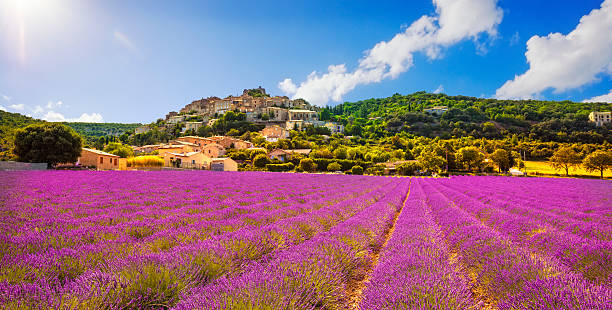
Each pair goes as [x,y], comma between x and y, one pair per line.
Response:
[275,132]
[101,160]
[230,142]
[145,148]
[304,115]
[196,140]
[191,160]
[223,164]
[286,155]
[193,125]
[334,127]
[213,150]
[600,118]
[175,148]
[438,110]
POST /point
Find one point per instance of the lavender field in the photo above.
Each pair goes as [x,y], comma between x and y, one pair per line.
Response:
[252,240]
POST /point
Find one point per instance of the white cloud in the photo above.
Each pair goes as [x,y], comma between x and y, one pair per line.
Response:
[5,97]
[603,98]
[52,105]
[125,41]
[2,108]
[564,62]
[455,20]
[438,90]
[38,109]
[53,116]
[89,118]
[18,107]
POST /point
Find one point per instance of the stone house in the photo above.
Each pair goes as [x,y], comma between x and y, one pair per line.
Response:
[101,160]
[191,160]
[275,132]
[600,118]
[223,164]
[213,150]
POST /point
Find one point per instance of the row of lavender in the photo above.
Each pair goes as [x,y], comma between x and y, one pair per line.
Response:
[124,239]
[500,243]
[207,240]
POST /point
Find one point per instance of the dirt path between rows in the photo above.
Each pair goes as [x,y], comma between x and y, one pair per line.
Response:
[354,289]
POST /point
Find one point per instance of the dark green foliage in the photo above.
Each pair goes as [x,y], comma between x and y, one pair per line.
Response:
[308,165]
[409,168]
[92,131]
[280,167]
[234,120]
[261,160]
[50,143]
[119,149]
[480,118]
[345,164]
[333,167]
[503,159]
[357,170]
[9,122]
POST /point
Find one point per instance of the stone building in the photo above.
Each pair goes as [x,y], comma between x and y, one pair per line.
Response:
[600,118]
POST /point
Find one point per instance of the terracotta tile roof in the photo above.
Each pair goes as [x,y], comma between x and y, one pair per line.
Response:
[100,152]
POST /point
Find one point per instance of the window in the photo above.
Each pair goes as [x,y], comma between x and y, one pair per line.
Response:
[101,160]
[115,161]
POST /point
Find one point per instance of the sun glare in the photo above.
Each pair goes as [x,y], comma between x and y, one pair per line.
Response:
[25,20]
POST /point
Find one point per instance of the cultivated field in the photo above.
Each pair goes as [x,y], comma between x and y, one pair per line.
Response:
[214,240]
[544,167]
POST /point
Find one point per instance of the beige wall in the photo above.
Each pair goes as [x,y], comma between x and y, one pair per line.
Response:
[197,160]
[228,164]
[101,162]
[212,151]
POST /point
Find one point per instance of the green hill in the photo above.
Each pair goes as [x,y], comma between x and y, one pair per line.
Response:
[9,122]
[92,131]
[559,121]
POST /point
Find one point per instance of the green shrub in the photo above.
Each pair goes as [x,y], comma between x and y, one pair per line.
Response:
[308,165]
[334,167]
[280,167]
[261,160]
[358,170]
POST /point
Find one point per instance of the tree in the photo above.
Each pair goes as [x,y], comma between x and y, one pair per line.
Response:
[333,166]
[431,161]
[233,132]
[261,160]
[598,161]
[50,143]
[204,131]
[409,168]
[308,165]
[99,144]
[358,170]
[502,159]
[119,149]
[564,158]
[470,156]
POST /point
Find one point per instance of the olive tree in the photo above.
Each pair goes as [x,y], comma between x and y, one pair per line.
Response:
[50,143]
[598,161]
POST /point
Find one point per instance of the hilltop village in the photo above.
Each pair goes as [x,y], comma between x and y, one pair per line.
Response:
[279,114]
[194,146]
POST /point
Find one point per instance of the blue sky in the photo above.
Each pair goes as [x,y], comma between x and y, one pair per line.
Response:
[133,61]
